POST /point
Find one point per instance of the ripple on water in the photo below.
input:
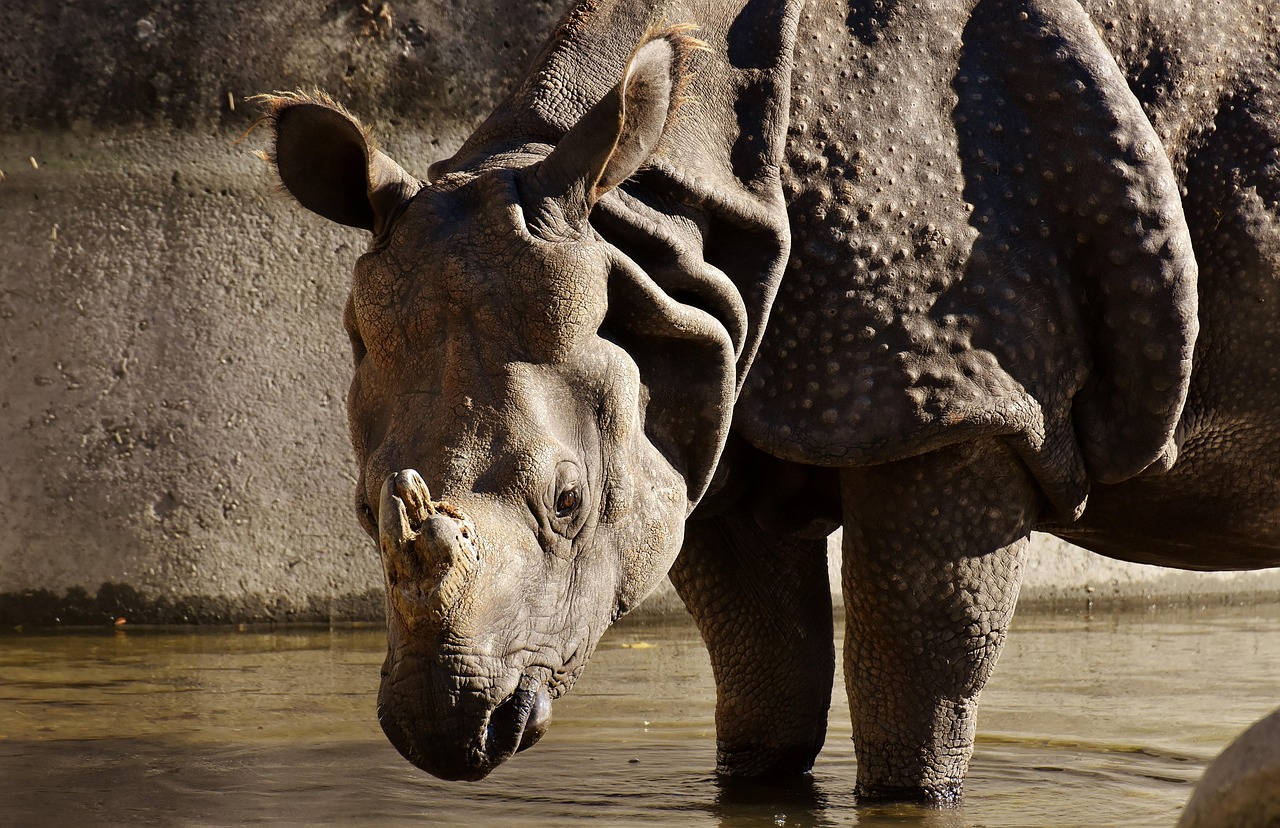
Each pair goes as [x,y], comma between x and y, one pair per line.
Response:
[1088,722]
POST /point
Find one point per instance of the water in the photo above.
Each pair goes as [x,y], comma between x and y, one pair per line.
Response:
[1106,720]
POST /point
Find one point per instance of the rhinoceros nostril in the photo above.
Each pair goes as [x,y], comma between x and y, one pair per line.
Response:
[539,719]
[519,722]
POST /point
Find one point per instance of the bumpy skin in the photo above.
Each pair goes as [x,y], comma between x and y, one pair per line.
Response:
[1208,81]
[939,272]
[982,246]
[934,549]
[763,602]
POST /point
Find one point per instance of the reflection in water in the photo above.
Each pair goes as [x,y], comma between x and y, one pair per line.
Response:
[1089,721]
[796,802]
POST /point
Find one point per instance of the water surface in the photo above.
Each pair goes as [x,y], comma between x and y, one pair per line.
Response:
[1105,720]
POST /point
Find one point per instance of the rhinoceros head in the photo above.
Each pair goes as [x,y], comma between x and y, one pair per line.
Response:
[521,487]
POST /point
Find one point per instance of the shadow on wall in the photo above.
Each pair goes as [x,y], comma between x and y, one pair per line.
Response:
[120,604]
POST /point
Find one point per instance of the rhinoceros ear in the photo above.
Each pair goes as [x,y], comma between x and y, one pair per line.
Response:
[610,142]
[330,164]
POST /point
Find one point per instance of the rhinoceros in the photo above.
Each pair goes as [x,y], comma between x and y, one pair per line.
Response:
[721,276]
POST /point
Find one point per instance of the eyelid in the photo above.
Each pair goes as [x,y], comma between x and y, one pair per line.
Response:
[567,475]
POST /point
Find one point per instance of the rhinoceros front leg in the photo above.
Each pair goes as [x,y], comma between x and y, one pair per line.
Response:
[933,554]
[762,602]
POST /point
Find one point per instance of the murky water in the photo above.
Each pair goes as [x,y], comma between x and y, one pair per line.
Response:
[1100,721]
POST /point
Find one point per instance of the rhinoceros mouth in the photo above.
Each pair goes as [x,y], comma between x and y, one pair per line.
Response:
[515,724]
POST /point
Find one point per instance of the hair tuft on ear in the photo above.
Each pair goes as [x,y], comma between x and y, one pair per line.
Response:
[280,101]
[684,45]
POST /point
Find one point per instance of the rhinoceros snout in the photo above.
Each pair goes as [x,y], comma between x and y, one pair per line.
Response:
[468,743]
[431,555]
[429,548]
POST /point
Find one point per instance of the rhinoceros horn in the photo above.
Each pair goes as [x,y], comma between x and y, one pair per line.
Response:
[429,550]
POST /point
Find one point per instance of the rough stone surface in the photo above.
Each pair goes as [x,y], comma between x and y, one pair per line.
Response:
[1241,788]
[172,358]
[172,363]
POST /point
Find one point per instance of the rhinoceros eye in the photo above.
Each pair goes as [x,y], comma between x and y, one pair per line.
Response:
[567,501]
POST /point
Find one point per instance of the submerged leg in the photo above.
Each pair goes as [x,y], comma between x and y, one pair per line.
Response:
[933,554]
[763,605]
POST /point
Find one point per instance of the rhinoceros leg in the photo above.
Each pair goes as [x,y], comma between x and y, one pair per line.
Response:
[933,554]
[763,605]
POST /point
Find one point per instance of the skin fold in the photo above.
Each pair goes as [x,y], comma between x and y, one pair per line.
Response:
[697,294]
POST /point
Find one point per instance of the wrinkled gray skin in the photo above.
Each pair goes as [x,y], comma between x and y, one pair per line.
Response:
[933,272]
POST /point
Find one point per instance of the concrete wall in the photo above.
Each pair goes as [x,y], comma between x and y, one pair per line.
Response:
[172,365]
